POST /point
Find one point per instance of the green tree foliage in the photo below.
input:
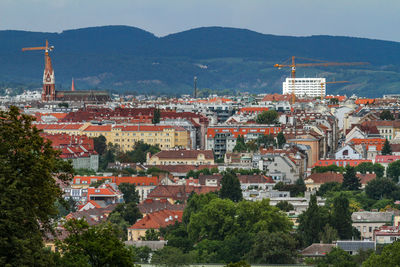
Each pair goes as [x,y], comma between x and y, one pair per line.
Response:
[341,217]
[365,167]
[171,257]
[337,257]
[177,236]
[281,139]
[350,180]
[296,189]
[329,187]
[273,248]
[230,187]
[386,115]
[128,211]
[380,188]
[98,183]
[328,234]
[389,257]
[284,206]
[142,254]
[84,172]
[311,222]
[240,144]
[266,141]
[93,246]
[393,170]
[330,168]
[205,171]
[156,116]
[152,235]
[195,204]
[267,117]
[241,263]
[28,189]
[379,170]
[130,192]
[386,150]
[100,144]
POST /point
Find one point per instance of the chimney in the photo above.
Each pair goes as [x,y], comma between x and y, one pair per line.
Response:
[73,85]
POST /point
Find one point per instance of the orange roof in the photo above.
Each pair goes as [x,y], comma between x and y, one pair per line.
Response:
[363,101]
[137,180]
[98,128]
[340,162]
[253,109]
[340,98]
[377,142]
[158,219]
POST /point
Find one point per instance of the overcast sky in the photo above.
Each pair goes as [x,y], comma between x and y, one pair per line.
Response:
[378,19]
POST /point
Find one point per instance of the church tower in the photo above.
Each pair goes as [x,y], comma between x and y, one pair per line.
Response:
[49,82]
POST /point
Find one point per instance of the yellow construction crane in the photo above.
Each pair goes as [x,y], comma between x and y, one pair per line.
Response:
[320,64]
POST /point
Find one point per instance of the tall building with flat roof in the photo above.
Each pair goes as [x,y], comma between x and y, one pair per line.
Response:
[305,87]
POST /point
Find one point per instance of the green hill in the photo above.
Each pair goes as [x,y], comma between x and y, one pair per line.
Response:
[127,59]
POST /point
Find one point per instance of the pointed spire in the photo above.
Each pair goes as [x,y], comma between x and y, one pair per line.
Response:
[73,85]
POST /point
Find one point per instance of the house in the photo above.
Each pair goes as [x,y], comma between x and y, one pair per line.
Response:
[317,250]
[340,162]
[385,160]
[151,205]
[184,157]
[347,152]
[368,221]
[106,192]
[353,247]
[92,216]
[155,221]
[386,235]
[181,170]
[315,180]
[180,193]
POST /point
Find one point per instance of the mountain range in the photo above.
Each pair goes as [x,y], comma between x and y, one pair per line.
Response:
[130,60]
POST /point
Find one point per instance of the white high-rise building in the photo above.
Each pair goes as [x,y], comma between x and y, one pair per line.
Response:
[310,87]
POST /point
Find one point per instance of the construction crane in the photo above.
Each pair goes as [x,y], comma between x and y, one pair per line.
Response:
[46,48]
[320,64]
[322,86]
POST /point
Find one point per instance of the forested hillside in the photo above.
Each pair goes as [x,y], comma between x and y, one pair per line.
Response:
[127,59]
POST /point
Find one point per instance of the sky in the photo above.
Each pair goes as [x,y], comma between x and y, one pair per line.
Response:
[376,19]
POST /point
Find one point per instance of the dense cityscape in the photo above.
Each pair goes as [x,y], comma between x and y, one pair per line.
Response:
[221,175]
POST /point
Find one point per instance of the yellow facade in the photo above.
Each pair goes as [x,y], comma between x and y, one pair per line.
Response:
[199,160]
[166,137]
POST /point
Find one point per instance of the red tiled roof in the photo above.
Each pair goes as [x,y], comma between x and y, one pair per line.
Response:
[184,154]
[321,178]
[98,128]
[158,219]
[386,158]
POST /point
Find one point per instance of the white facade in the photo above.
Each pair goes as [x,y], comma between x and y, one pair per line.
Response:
[310,87]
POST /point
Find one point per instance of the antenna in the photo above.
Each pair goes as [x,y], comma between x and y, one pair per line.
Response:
[195,86]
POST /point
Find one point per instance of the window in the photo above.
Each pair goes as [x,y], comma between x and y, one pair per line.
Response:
[370,229]
[97,191]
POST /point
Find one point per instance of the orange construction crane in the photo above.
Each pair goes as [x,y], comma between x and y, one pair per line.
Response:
[320,63]
[46,48]
[322,87]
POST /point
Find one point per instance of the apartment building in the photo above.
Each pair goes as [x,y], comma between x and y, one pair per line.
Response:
[310,87]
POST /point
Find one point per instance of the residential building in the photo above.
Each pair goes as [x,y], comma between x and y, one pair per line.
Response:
[305,87]
[315,180]
[179,193]
[368,221]
[183,157]
[154,221]
[386,234]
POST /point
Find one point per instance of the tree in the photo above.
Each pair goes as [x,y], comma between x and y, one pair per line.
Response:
[266,140]
[128,211]
[311,222]
[378,169]
[230,187]
[267,117]
[28,188]
[240,145]
[389,257]
[171,257]
[273,248]
[380,188]
[337,257]
[281,139]
[100,144]
[130,192]
[365,167]
[241,263]
[386,150]
[93,246]
[329,187]
[195,204]
[393,171]
[386,115]
[328,234]
[152,235]
[350,180]
[341,217]
[156,116]
[142,253]
[284,206]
